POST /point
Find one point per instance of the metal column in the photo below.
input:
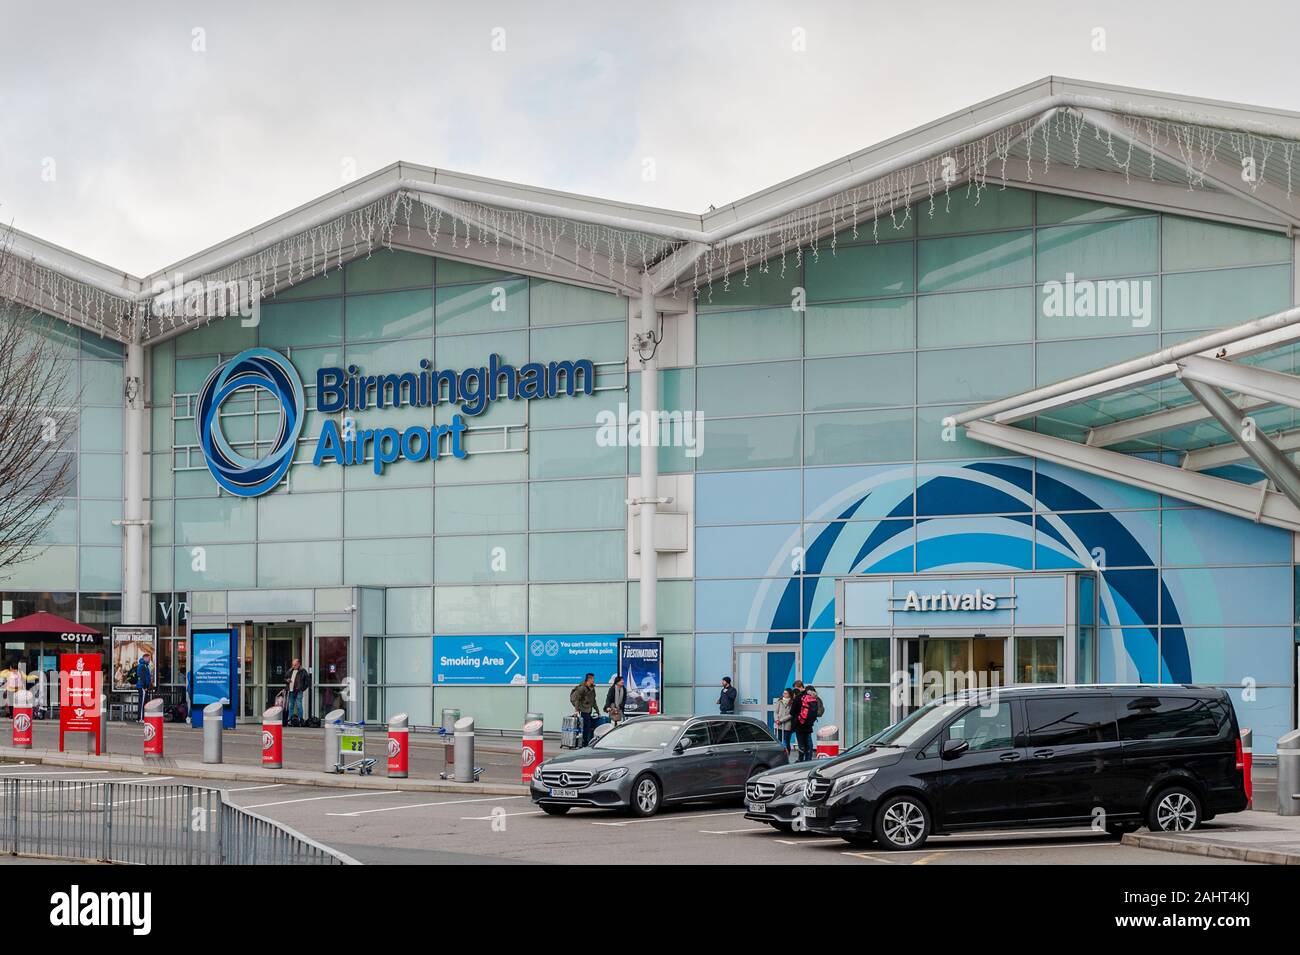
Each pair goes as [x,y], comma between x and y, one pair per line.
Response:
[649,493]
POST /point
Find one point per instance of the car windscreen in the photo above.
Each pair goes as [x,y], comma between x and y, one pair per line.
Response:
[920,724]
[639,735]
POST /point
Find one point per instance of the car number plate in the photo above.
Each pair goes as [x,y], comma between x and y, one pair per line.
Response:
[564,793]
[758,807]
[811,812]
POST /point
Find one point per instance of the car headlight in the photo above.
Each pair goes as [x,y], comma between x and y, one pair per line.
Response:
[851,780]
[609,775]
[537,774]
[790,788]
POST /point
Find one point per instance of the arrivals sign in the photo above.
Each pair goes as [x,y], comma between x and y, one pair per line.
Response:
[348,391]
[641,664]
[539,659]
[977,599]
[81,684]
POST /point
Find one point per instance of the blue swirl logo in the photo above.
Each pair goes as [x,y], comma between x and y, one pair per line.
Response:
[255,368]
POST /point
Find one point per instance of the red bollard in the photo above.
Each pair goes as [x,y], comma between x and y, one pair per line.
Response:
[530,757]
[1246,763]
[828,742]
[153,728]
[273,738]
[23,719]
[399,752]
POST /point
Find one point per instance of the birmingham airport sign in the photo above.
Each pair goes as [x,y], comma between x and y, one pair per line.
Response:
[348,390]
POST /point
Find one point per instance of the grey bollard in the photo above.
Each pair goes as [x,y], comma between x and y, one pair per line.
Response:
[333,724]
[465,749]
[449,718]
[212,728]
[1288,774]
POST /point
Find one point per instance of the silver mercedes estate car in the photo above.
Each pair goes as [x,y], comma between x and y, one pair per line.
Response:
[648,761]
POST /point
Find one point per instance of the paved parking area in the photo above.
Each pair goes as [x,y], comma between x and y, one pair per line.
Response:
[393,827]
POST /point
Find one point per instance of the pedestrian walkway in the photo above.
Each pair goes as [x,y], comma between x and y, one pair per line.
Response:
[304,757]
[1254,836]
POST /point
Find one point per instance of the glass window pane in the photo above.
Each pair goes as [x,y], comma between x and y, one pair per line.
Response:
[477,308]
[561,505]
[975,261]
[973,374]
[283,516]
[493,558]
[408,610]
[974,318]
[750,443]
[848,327]
[223,336]
[1124,247]
[598,342]
[294,324]
[300,564]
[397,512]
[1058,360]
[388,562]
[862,271]
[751,335]
[387,269]
[451,272]
[770,283]
[971,209]
[866,660]
[408,660]
[216,520]
[748,389]
[860,382]
[850,437]
[573,452]
[1054,209]
[1224,297]
[390,315]
[555,303]
[1200,244]
[578,555]
[497,609]
[328,284]
[479,508]
[1098,308]
[472,351]
[576,608]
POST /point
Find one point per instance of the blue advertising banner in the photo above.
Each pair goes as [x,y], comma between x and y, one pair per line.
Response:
[563,659]
[476,660]
[641,664]
[212,674]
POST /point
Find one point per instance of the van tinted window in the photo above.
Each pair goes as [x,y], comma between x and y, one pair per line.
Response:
[1169,717]
[1064,721]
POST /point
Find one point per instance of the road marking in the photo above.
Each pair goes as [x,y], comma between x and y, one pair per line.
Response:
[423,805]
[249,789]
[698,815]
[63,772]
[728,832]
[932,855]
[808,842]
[286,802]
[500,815]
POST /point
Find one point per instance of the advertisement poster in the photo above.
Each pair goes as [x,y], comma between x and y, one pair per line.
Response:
[478,660]
[641,663]
[563,659]
[212,677]
[81,683]
[130,644]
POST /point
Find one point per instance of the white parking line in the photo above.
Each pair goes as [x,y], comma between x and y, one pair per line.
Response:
[501,815]
[729,832]
[669,818]
[249,789]
[62,772]
[422,805]
[809,841]
[286,802]
[928,854]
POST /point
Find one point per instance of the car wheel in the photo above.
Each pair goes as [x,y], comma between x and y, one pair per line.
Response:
[785,827]
[646,796]
[902,823]
[552,810]
[1175,809]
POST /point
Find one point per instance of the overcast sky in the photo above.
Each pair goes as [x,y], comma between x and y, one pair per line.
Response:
[138,133]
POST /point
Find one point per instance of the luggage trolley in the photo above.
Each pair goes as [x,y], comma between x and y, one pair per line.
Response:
[351,756]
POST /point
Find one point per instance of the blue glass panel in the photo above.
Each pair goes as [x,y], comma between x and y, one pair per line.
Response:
[747,496]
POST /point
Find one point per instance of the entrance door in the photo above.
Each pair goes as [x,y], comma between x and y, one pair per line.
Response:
[932,667]
[760,673]
[274,648]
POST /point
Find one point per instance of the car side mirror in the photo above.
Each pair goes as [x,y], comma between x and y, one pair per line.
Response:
[681,746]
[953,748]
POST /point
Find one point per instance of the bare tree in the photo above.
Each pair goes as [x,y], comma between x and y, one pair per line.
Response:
[38,420]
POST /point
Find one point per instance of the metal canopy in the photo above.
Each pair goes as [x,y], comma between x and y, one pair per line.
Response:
[1210,421]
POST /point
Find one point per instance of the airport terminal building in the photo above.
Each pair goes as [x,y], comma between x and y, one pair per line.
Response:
[1010,395]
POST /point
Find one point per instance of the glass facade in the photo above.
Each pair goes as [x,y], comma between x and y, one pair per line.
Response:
[823,380]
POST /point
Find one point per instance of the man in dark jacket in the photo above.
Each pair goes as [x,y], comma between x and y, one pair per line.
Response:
[143,681]
[296,684]
[727,698]
[805,710]
[583,698]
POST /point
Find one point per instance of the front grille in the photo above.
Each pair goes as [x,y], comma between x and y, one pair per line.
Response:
[816,788]
[566,778]
[760,792]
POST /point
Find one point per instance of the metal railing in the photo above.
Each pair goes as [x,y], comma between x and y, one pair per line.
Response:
[146,824]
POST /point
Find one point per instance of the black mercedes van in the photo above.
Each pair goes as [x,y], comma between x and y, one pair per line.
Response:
[1108,756]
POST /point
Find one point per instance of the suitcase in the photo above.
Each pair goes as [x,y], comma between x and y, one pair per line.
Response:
[571,732]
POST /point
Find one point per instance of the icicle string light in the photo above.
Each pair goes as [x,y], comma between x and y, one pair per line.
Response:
[1174,152]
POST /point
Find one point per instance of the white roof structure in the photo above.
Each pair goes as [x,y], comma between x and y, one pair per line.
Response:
[1145,149]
